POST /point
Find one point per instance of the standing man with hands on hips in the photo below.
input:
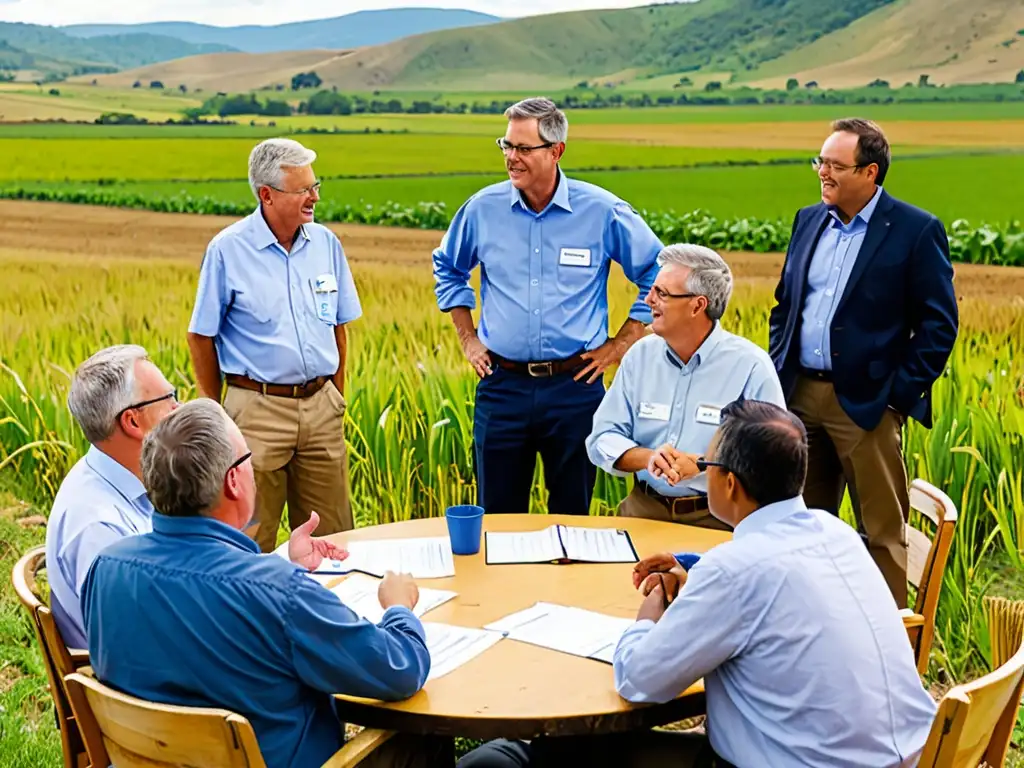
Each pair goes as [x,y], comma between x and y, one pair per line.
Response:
[275,294]
[544,244]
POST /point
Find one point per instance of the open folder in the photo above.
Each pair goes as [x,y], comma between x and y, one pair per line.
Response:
[424,558]
[564,628]
[560,544]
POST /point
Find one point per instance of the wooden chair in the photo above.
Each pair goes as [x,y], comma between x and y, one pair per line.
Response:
[975,720]
[926,564]
[1005,627]
[133,733]
[58,659]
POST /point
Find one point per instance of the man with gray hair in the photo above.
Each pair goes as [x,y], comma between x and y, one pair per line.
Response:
[666,400]
[213,624]
[544,243]
[274,296]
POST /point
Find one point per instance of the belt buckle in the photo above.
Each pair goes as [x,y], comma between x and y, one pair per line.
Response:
[531,367]
[296,388]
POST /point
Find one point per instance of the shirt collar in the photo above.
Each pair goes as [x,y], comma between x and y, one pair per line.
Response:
[261,234]
[703,351]
[561,198]
[115,473]
[204,527]
[764,516]
[864,214]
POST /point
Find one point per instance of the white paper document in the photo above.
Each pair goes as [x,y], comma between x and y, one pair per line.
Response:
[426,558]
[566,629]
[359,593]
[450,646]
[559,543]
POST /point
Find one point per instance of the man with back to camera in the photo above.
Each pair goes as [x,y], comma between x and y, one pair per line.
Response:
[864,322]
[544,243]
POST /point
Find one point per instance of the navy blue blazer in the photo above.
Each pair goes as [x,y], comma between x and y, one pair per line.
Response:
[896,322]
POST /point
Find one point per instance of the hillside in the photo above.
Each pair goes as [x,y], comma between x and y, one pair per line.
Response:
[353,30]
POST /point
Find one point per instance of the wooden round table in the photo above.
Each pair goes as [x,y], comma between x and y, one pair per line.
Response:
[517,690]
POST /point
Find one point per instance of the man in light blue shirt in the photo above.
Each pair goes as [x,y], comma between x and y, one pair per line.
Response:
[664,404]
[274,296]
[544,244]
[791,626]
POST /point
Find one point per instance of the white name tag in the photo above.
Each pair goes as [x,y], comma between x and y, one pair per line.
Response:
[325,284]
[656,411]
[709,414]
[574,257]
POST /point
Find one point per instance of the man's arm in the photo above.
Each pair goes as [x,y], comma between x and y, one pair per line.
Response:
[780,311]
[611,438]
[341,339]
[212,302]
[349,309]
[204,361]
[933,315]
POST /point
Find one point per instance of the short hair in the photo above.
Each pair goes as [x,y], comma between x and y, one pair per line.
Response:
[765,446]
[185,458]
[270,157]
[103,386]
[872,145]
[552,124]
[709,276]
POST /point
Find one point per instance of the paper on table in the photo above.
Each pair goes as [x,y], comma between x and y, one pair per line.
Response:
[425,558]
[598,545]
[570,630]
[525,547]
[359,593]
[450,646]
[560,542]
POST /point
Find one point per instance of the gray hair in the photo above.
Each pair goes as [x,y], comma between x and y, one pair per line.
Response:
[709,274]
[552,124]
[102,387]
[185,458]
[270,157]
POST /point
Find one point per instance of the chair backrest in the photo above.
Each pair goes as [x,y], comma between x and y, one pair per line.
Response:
[1005,627]
[975,720]
[57,659]
[132,733]
[926,561]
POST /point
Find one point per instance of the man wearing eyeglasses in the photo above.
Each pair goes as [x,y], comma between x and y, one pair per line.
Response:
[544,244]
[864,322]
[665,403]
[275,294]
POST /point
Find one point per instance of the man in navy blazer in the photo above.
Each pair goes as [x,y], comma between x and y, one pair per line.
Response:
[864,322]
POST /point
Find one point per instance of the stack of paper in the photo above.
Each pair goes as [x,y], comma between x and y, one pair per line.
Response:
[359,593]
[561,543]
[569,630]
[426,558]
[450,647]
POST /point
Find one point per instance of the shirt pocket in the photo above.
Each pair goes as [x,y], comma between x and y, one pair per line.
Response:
[577,266]
[255,306]
[323,291]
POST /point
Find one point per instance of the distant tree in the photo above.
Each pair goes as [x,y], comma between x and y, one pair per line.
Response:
[277,108]
[54,92]
[878,83]
[1020,77]
[922,81]
[328,103]
[183,88]
[685,81]
[156,84]
[306,80]
[713,85]
[792,84]
[811,84]
[95,82]
[136,84]
[582,84]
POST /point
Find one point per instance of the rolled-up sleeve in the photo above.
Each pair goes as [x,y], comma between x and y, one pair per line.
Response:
[612,432]
[337,651]
[349,308]
[632,243]
[211,295]
[454,260]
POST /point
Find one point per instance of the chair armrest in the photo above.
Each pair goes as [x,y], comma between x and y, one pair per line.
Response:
[79,657]
[911,619]
[358,748]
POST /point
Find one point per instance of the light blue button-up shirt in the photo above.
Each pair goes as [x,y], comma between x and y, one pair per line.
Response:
[99,502]
[655,399]
[192,615]
[800,644]
[543,278]
[273,312]
[827,275]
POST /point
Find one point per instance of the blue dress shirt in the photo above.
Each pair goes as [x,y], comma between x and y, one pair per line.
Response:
[655,399]
[192,615]
[827,275]
[544,276]
[99,502]
[273,312]
[800,644]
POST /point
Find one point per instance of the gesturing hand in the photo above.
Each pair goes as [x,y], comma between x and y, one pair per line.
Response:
[398,589]
[309,552]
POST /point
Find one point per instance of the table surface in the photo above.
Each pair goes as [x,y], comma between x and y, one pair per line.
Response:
[514,689]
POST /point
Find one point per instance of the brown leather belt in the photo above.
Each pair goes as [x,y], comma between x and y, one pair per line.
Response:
[541,369]
[677,505]
[311,387]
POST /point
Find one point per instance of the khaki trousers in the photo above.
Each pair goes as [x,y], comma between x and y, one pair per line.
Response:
[639,504]
[870,464]
[404,750]
[299,457]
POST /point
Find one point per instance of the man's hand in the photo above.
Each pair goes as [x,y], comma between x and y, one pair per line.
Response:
[663,562]
[398,589]
[672,464]
[653,606]
[477,354]
[669,582]
[309,552]
[601,359]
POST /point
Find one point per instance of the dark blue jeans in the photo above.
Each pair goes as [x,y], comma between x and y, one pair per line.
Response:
[518,416]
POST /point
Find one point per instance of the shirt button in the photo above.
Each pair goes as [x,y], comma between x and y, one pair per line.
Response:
[534,282]
[536,311]
[821,324]
[536,250]
[828,292]
[817,352]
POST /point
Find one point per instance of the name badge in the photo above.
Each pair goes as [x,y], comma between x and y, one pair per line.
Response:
[325,284]
[574,257]
[656,411]
[709,414]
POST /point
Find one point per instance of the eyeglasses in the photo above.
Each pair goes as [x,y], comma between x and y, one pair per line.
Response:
[506,146]
[304,191]
[818,162]
[662,294]
[239,461]
[172,395]
[703,464]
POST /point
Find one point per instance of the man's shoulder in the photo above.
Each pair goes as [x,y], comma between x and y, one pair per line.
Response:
[318,232]
[595,195]
[908,212]
[643,350]
[235,232]
[500,191]
[84,497]
[733,342]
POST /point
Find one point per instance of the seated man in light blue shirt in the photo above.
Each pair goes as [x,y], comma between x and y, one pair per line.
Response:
[790,624]
[191,614]
[664,405]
